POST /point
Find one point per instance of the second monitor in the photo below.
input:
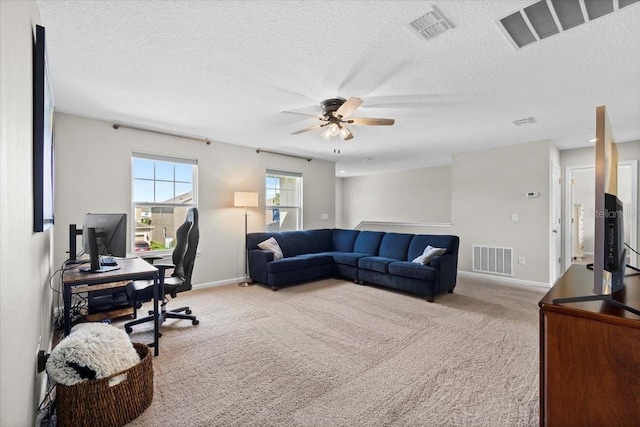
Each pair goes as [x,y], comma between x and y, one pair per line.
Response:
[111,233]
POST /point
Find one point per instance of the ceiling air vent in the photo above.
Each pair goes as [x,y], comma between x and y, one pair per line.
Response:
[525,121]
[431,24]
[545,18]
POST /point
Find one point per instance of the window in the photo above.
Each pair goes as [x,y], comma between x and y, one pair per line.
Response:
[163,189]
[284,201]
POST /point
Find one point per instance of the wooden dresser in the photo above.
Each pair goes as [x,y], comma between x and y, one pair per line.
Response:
[589,355]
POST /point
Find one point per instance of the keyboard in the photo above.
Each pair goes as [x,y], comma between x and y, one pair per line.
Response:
[108,261]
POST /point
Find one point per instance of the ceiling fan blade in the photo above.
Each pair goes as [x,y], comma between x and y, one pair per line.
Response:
[349,106]
[308,129]
[304,114]
[370,122]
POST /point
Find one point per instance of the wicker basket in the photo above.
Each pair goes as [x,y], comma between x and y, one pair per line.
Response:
[96,403]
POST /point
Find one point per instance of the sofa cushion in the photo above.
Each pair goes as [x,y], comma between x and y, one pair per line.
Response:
[287,264]
[395,245]
[298,242]
[321,240]
[421,241]
[413,270]
[271,245]
[343,240]
[375,263]
[317,259]
[368,242]
[429,253]
[348,258]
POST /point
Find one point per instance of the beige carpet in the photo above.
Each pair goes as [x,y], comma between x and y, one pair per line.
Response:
[333,353]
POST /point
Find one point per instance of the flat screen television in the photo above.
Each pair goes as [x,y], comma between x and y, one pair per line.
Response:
[609,248]
[43,145]
[609,255]
[110,233]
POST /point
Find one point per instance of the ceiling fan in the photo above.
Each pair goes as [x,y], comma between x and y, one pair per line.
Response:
[336,113]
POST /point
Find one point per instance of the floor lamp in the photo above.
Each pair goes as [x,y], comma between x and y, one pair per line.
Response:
[245,199]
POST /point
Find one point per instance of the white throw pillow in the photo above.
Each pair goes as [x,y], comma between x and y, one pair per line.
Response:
[429,253]
[271,245]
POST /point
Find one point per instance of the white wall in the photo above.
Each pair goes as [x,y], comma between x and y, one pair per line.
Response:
[488,187]
[585,157]
[91,180]
[477,194]
[25,256]
[417,195]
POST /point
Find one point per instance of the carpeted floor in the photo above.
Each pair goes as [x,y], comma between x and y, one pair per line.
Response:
[333,353]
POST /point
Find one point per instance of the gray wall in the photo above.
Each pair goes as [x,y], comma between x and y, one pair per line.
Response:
[91,180]
[25,256]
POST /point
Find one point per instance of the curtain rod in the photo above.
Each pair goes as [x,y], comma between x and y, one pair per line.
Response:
[162,132]
[262,150]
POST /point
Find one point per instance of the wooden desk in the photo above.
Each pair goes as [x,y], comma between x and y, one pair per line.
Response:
[589,355]
[130,269]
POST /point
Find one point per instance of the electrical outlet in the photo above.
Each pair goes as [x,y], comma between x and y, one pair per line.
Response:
[324,216]
[521,260]
[515,217]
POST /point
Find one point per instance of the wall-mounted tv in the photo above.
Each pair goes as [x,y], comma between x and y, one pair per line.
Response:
[43,148]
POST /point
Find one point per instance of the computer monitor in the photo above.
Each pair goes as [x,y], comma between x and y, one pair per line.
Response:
[110,231]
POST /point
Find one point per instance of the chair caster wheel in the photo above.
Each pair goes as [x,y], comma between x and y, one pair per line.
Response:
[195,322]
[187,311]
[159,334]
[128,330]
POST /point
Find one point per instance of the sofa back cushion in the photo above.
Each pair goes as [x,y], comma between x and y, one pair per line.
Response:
[320,240]
[368,242]
[343,240]
[254,238]
[421,241]
[395,245]
[298,242]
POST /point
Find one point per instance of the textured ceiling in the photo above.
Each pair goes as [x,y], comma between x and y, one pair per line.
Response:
[227,69]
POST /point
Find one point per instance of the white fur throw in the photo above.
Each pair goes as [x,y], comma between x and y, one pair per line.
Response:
[91,351]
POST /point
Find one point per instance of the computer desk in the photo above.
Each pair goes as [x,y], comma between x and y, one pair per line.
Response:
[74,281]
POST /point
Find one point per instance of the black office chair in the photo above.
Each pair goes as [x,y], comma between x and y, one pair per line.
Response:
[183,257]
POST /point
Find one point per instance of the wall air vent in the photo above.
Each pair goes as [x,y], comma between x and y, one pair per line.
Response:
[546,18]
[525,121]
[490,259]
[430,25]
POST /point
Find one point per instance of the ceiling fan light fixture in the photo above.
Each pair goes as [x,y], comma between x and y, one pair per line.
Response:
[344,132]
[334,129]
[326,134]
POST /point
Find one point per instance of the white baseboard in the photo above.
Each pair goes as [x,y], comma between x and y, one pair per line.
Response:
[504,279]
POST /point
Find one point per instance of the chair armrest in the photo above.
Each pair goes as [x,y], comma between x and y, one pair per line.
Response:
[164,267]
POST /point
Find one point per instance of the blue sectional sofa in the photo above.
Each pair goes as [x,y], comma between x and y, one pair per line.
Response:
[366,257]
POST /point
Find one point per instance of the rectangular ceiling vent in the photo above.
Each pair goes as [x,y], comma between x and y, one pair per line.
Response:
[430,25]
[525,121]
[546,18]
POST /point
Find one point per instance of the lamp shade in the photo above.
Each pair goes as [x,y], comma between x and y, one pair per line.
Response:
[245,199]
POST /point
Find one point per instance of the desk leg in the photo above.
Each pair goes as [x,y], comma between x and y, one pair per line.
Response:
[66,305]
[156,311]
